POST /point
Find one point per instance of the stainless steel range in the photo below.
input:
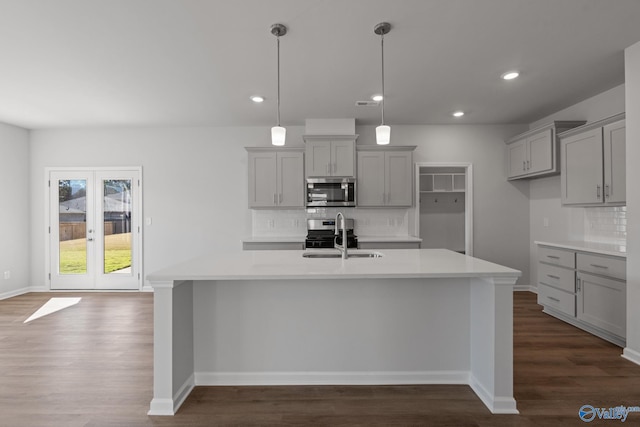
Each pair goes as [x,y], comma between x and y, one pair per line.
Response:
[321,233]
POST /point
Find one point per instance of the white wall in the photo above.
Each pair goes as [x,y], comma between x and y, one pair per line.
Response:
[500,207]
[14,210]
[598,107]
[195,184]
[632,76]
[566,223]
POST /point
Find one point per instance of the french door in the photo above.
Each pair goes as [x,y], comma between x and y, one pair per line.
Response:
[94,229]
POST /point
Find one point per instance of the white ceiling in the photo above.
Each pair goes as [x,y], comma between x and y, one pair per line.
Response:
[78,63]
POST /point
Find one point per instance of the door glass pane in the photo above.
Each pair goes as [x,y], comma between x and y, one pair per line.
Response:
[117,226]
[72,199]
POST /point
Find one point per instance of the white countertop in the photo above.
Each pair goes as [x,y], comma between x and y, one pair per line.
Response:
[298,239]
[593,247]
[391,239]
[395,263]
[274,239]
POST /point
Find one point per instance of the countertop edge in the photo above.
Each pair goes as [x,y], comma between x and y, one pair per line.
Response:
[300,239]
[342,276]
[583,247]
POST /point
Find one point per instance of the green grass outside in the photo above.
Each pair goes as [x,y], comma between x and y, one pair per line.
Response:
[117,254]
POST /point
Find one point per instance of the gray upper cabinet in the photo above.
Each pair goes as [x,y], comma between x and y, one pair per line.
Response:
[276,177]
[330,155]
[593,163]
[614,144]
[535,153]
[385,176]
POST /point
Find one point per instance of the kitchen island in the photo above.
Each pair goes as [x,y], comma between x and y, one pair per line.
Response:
[429,316]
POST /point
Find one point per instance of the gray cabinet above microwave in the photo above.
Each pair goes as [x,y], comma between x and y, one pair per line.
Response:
[330,156]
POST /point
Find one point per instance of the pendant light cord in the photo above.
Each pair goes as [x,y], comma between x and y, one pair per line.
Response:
[278,97]
[382,49]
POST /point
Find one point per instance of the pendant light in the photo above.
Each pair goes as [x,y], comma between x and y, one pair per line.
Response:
[278,133]
[383,132]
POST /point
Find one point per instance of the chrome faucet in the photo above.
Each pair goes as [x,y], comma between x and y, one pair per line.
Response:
[343,247]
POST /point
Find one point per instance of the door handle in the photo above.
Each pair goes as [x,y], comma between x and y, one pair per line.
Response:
[606,191]
[524,165]
[275,200]
[90,239]
[598,191]
[578,284]
[553,277]
[528,164]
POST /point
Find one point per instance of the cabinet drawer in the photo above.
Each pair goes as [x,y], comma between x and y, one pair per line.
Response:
[612,267]
[557,256]
[557,277]
[557,299]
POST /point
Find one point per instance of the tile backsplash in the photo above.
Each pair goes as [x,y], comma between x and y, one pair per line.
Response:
[368,222]
[606,225]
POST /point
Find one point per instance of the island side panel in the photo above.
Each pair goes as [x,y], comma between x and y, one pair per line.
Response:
[326,331]
[183,368]
[492,343]
[172,345]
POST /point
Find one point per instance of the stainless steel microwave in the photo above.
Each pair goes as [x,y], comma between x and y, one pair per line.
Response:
[331,192]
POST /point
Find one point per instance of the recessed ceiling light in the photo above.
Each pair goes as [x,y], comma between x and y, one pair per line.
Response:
[510,75]
[458,114]
[257,99]
[377,98]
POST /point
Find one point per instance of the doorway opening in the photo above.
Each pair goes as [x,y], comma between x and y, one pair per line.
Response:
[444,206]
[94,229]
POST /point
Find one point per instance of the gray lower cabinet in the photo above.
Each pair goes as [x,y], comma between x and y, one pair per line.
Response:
[389,245]
[271,246]
[586,290]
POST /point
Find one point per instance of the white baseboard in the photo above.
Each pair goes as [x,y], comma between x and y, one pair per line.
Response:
[171,406]
[331,378]
[497,405]
[631,355]
[525,288]
[15,293]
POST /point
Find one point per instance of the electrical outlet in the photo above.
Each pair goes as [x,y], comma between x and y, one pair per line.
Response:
[7,275]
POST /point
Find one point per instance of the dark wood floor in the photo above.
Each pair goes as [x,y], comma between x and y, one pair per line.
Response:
[91,365]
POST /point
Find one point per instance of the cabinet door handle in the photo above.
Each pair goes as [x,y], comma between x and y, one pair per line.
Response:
[275,201]
[280,198]
[598,191]
[578,286]
[553,277]
[598,266]
[553,257]
[606,191]
[528,164]
[553,299]
[524,165]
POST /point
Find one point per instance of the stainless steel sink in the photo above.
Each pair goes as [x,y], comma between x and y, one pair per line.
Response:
[338,255]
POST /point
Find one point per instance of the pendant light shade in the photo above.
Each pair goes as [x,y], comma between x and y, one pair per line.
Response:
[383,132]
[278,133]
[383,135]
